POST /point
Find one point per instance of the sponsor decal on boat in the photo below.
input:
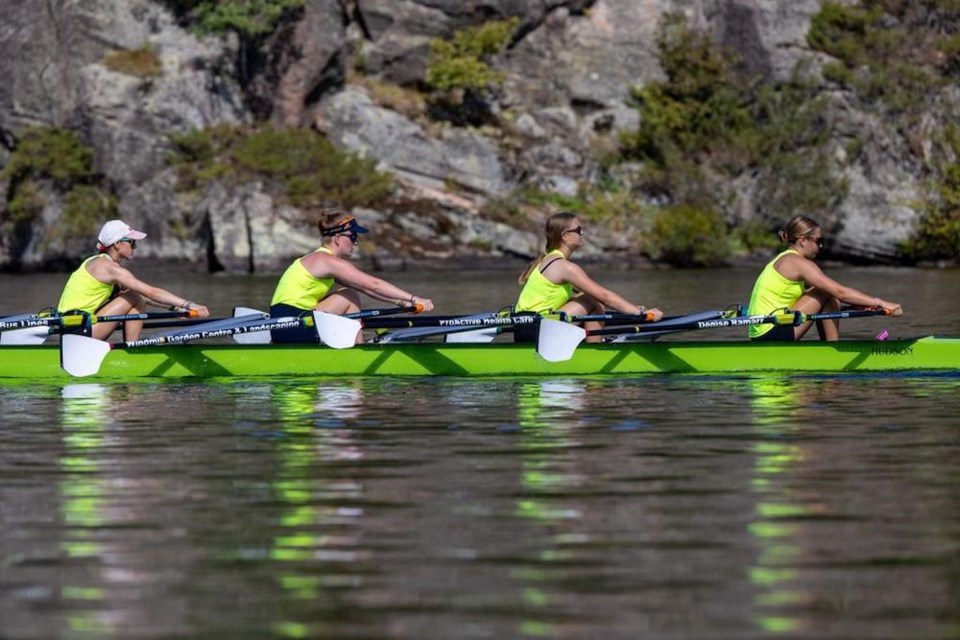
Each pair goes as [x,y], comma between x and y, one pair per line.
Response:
[891,350]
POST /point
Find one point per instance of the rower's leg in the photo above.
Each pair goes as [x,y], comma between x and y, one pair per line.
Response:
[584,305]
[816,301]
[126,302]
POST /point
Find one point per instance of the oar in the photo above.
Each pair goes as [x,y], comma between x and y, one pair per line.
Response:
[340,333]
[558,341]
[263,337]
[33,329]
[665,326]
[842,314]
[83,356]
[78,319]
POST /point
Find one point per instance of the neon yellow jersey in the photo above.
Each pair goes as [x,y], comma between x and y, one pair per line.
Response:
[539,294]
[83,292]
[298,288]
[772,291]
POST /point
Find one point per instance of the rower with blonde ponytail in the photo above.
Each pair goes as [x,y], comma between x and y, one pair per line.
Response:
[552,282]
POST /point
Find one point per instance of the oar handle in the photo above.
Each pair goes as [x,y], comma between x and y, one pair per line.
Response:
[611,318]
[389,311]
[840,315]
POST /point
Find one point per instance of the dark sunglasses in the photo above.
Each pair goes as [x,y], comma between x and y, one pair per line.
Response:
[576,230]
[819,240]
[130,241]
[352,235]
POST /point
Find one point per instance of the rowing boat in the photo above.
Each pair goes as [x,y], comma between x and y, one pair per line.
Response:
[926,354]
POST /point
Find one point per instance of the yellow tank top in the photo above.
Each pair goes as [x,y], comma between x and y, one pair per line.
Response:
[539,294]
[772,291]
[298,288]
[83,292]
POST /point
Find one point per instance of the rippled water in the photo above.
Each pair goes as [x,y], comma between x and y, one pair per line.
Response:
[656,507]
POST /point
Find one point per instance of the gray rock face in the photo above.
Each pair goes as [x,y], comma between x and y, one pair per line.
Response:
[351,120]
[568,75]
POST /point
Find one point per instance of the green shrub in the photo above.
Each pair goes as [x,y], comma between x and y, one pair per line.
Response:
[937,236]
[705,125]
[142,63]
[298,165]
[59,156]
[26,204]
[462,63]
[687,236]
[49,152]
[250,19]
[885,62]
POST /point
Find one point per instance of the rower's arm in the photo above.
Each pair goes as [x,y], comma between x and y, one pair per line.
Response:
[347,274]
[576,276]
[813,276]
[123,277]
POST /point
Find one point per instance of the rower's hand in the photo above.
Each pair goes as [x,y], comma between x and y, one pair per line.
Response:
[655,315]
[200,310]
[894,308]
[426,303]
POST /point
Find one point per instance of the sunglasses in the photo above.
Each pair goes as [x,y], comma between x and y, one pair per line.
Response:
[819,240]
[352,235]
[131,242]
[576,230]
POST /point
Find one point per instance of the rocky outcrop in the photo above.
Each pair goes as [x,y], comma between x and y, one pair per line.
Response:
[568,72]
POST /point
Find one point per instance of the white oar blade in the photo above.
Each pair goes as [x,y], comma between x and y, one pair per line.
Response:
[477,336]
[29,336]
[254,337]
[82,356]
[336,331]
[558,340]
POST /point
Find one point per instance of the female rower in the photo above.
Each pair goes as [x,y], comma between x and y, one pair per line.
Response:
[550,280]
[324,280]
[793,280]
[102,285]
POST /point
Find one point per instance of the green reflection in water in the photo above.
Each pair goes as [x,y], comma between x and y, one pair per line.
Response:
[775,402]
[304,414]
[82,491]
[546,411]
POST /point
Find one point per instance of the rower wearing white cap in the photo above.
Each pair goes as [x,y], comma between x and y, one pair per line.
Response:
[102,285]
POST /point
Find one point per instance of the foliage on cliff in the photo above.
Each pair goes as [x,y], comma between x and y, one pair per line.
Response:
[894,57]
[247,18]
[459,71]
[706,125]
[299,166]
[53,160]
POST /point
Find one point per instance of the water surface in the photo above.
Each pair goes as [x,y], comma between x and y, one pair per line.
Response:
[655,507]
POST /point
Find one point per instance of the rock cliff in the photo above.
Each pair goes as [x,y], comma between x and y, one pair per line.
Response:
[568,73]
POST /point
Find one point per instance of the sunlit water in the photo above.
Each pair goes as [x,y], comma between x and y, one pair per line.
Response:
[652,507]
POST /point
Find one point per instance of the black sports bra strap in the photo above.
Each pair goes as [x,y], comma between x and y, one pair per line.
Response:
[546,266]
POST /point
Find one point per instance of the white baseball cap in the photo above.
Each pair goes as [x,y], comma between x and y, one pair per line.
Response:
[116,230]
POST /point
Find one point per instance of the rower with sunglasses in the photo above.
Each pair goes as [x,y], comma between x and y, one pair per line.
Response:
[792,280]
[101,285]
[553,283]
[324,280]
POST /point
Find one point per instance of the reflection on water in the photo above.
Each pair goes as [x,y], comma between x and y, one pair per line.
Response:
[658,507]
